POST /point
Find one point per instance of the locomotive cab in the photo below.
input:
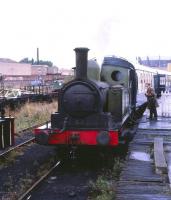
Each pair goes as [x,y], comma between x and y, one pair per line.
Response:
[120,75]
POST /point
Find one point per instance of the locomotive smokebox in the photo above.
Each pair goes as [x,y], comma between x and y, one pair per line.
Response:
[81,62]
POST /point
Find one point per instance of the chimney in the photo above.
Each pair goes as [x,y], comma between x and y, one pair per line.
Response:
[81,62]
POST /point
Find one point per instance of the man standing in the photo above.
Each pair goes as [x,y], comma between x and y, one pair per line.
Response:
[152,101]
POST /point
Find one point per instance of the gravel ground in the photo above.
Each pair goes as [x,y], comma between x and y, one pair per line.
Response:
[69,181]
[65,186]
[19,172]
[66,182]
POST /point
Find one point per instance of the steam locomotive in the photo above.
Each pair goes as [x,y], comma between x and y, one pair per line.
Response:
[93,109]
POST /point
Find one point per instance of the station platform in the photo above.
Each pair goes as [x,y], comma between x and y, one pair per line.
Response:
[162,123]
[140,178]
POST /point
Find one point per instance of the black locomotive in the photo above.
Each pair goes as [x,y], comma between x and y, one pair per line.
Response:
[94,107]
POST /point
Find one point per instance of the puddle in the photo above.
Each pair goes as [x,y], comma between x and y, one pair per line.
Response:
[136,155]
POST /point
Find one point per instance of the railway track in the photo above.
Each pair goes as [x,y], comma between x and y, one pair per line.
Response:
[4,153]
[27,194]
[33,127]
[77,186]
[70,180]
[63,183]
[22,165]
[22,143]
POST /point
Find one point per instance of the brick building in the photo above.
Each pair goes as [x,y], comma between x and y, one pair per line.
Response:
[19,75]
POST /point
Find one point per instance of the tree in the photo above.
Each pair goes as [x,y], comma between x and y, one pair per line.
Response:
[40,62]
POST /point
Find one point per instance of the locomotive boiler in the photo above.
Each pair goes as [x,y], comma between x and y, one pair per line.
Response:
[94,107]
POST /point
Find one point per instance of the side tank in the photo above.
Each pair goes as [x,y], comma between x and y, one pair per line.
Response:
[93,70]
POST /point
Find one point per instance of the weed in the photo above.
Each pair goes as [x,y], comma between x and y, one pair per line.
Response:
[104,187]
[5,161]
[101,190]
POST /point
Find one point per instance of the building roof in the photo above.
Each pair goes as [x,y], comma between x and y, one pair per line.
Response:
[160,61]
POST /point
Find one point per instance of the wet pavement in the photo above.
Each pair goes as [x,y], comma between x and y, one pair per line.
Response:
[160,124]
[139,179]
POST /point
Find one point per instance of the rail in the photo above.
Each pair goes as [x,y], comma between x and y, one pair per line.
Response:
[17,146]
[38,182]
[9,149]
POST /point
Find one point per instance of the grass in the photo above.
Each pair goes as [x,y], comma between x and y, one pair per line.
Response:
[4,162]
[32,114]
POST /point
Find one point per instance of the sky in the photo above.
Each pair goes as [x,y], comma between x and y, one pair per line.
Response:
[126,28]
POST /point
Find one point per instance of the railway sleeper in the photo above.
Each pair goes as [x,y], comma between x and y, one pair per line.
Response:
[159,156]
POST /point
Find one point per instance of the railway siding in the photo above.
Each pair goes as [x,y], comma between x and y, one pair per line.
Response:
[146,174]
